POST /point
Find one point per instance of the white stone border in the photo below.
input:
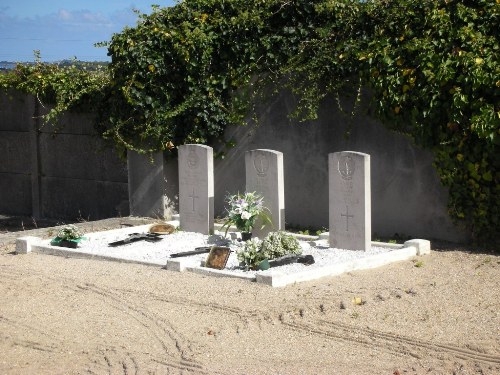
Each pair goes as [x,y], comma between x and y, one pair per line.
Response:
[277,279]
[273,277]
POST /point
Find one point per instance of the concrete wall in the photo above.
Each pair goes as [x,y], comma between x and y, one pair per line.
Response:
[70,175]
[153,185]
[16,113]
[74,175]
[407,197]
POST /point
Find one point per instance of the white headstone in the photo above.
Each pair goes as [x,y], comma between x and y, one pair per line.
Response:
[264,175]
[349,200]
[196,188]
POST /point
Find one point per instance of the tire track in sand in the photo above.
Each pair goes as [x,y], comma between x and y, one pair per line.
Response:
[112,360]
[177,349]
[398,344]
[389,341]
[177,346]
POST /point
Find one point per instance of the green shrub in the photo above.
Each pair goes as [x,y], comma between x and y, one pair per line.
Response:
[278,244]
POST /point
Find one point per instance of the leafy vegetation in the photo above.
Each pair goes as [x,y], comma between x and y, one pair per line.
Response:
[431,70]
[75,86]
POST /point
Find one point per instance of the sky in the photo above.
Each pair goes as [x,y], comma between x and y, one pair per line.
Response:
[64,29]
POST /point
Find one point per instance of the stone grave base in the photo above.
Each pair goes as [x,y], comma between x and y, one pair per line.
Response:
[328,261]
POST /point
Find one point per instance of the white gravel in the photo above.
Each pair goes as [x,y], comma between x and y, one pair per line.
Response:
[96,244]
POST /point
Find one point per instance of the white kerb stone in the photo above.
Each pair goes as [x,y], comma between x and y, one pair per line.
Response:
[423,246]
[23,244]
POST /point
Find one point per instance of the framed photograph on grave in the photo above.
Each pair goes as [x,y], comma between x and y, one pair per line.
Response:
[217,258]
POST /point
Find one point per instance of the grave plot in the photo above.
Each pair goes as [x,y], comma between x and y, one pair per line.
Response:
[327,261]
[347,247]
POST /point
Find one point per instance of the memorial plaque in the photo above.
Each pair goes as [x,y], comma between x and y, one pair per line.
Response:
[196,188]
[349,200]
[217,258]
[264,175]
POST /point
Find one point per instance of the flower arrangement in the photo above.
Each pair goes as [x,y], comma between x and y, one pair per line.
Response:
[68,236]
[244,210]
[69,232]
[252,254]
[274,245]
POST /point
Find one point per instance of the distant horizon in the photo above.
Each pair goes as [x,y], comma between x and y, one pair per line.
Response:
[53,62]
[61,30]
[10,65]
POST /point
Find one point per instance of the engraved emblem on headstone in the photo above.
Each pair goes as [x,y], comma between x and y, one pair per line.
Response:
[261,164]
[347,216]
[346,167]
[193,196]
[192,159]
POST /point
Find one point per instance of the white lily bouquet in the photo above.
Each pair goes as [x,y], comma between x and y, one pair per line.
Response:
[244,210]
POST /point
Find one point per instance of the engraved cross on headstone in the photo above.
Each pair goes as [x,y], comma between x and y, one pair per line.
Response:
[193,197]
[347,216]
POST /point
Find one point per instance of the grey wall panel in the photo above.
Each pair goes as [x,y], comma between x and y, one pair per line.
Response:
[15,194]
[16,111]
[89,200]
[407,197]
[68,123]
[80,156]
[15,152]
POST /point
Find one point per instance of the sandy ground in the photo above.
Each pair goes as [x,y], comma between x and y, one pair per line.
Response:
[437,314]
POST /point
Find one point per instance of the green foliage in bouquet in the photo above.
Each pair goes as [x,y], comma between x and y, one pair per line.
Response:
[244,210]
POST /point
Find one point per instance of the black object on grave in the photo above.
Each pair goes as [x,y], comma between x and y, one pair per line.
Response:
[289,259]
[197,250]
[134,237]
